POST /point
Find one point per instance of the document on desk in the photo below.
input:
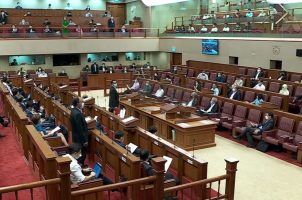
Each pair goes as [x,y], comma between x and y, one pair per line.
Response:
[55,130]
[184,125]
[88,118]
[63,86]
[206,122]
[87,99]
[132,147]
[168,162]
[128,119]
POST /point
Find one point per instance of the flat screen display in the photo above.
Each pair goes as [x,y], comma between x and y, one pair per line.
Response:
[210,47]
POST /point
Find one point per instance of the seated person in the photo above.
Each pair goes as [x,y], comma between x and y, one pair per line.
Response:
[86,68]
[3,17]
[191,29]
[110,71]
[203,29]
[257,129]
[160,92]
[237,27]
[133,88]
[262,14]
[220,77]
[153,130]
[147,88]
[28,13]
[62,73]
[119,139]
[197,86]
[247,27]
[14,29]
[238,82]
[211,108]
[203,76]
[36,119]
[258,100]
[234,94]
[215,90]
[125,70]
[282,76]
[284,90]
[46,22]
[94,28]
[193,102]
[214,28]
[237,14]
[72,23]
[259,74]
[260,86]
[23,22]
[144,156]
[31,30]
[174,70]
[77,173]
[88,14]
[249,13]
[47,29]
[226,28]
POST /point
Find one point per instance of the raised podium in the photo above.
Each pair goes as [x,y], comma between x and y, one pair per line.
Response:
[89,101]
[177,111]
[91,122]
[129,122]
[135,98]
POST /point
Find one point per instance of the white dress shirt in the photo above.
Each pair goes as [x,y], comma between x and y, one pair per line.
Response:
[135,86]
[259,87]
[232,95]
[76,175]
[190,103]
[214,30]
[215,91]
[226,29]
[209,110]
[159,93]
[203,76]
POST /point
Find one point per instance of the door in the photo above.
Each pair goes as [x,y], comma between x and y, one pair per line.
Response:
[176,59]
[118,11]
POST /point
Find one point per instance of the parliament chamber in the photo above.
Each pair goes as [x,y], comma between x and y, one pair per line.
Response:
[142,99]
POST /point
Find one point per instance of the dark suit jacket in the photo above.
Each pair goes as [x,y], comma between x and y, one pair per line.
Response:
[114,99]
[111,23]
[94,69]
[195,102]
[3,18]
[261,75]
[220,79]
[237,95]
[120,143]
[266,126]
[79,126]
[214,109]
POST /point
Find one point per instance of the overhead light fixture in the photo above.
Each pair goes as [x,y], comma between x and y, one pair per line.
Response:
[160,2]
[283,1]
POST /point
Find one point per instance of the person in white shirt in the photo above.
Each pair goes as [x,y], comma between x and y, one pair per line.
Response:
[76,175]
[71,23]
[214,28]
[203,76]
[237,83]
[262,14]
[215,90]
[88,14]
[135,86]
[260,86]
[124,29]
[284,90]
[191,29]
[160,92]
[193,101]
[226,28]
[203,29]
[23,22]
[68,7]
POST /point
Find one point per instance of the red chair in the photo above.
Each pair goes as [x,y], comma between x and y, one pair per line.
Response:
[276,100]
[155,88]
[207,85]
[274,87]
[190,73]
[170,94]
[163,76]
[190,83]
[242,70]
[186,97]
[204,102]
[177,96]
[213,76]
[239,115]
[176,80]
[230,79]
[227,112]
[293,143]
[290,89]
[254,116]
[251,72]
[285,128]
[249,96]
[295,77]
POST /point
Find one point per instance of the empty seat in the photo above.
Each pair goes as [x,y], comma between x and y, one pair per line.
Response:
[163,76]
[293,143]
[190,73]
[239,115]
[190,83]
[285,128]
[207,85]
[251,72]
[274,87]
[276,100]
[254,116]
[186,97]
[33,76]
[31,71]
[177,96]
[176,80]
[184,70]
[213,76]
[48,70]
[227,112]
[290,89]
[242,70]
[249,96]
[204,102]
[230,79]
[295,77]
[170,93]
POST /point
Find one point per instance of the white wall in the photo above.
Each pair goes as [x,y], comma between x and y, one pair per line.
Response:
[56,4]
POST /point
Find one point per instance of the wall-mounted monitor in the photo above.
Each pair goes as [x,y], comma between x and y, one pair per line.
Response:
[210,47]
[26,60]
[66,59]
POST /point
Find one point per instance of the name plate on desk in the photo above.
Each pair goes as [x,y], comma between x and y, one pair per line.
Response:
[129,121]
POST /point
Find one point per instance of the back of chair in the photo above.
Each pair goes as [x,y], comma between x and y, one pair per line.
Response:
[274,87]
[230,79]
[176,80]
[298,91]
[186,97]
[295,77]
[190,83]
[286,125]
[213,76]
[178,95]
[251,72]
[254,116]
[227,108]
[249,96]
[190,73]
[240,111]
[207,85]
[170,92]
[276,100]
[205,101]
[242,70]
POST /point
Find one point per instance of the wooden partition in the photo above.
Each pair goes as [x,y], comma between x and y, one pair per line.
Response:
[98,81]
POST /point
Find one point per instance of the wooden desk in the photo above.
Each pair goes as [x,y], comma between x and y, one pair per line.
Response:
[98,81]
[197,133]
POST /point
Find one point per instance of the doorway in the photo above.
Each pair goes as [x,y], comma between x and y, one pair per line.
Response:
[118,11]
[176,59]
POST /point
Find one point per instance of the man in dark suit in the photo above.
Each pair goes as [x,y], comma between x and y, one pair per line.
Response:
[234,94]
[119,139]
[220,77]
[114,98]
[94,68]
[79,128]
[211,108]
[259,75]
[193,102]
[111,24]
[3,18]
[257,129]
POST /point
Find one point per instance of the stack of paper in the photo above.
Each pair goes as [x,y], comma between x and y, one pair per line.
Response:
[128,119]
[168,162]
[131,147]
[55,130]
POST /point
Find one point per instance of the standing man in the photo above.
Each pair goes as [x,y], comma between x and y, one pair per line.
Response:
[111,24]
[79,128]
[114,99]
[94,68]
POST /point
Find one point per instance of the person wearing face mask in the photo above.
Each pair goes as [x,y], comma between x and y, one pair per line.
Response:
[3,18]
[174,70]
[193,102]
[79,127]
[257,129]
[259,75]
[23,22]
[234,94]
[211,108]
[114,98]
[220,78]
[197,86]
[284,90]
[147,88]
[259,100]
[282,76]
[260,86]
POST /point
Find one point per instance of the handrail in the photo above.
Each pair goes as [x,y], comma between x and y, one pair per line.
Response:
[113,186]
[26,186]
[281,18]
[200,182]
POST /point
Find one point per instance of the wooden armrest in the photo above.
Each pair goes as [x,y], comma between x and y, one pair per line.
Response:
[270,133]
[239,123]
[284,138]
